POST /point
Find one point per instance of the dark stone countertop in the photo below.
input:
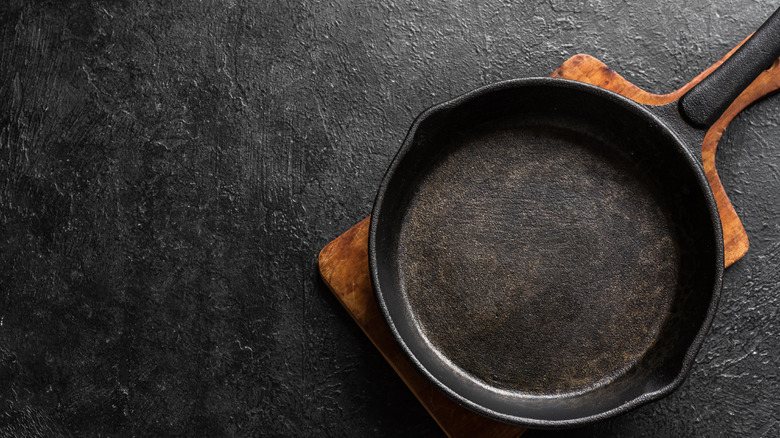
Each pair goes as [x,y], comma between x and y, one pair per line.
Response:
[170,170]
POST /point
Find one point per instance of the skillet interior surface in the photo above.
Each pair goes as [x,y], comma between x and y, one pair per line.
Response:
[545,254]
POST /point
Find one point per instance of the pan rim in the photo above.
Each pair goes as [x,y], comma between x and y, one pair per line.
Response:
[691,161]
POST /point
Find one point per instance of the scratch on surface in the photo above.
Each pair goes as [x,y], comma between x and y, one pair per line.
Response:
[768,428]
[740,359]
[323,121]
[486,67]
[775,171]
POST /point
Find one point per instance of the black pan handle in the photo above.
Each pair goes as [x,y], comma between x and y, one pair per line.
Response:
[705,102]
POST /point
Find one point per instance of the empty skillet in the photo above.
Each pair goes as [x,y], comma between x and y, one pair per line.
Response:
[548,253]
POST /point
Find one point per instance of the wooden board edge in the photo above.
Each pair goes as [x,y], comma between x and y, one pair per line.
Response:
[766,84]
[331,257]
[324,261]
[585,68]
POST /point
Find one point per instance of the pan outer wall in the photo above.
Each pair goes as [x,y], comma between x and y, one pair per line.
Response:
[547,253]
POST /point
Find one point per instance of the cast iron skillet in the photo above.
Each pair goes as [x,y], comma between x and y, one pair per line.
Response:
[548,253]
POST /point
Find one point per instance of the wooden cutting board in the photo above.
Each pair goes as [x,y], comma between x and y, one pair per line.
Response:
[343,263]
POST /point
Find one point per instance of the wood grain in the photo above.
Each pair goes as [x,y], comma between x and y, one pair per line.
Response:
[585,68]
[735,239]
[343,263]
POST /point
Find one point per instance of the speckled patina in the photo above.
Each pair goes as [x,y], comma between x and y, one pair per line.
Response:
[537,260]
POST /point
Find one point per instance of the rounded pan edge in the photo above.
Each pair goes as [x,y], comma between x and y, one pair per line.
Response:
[691,162]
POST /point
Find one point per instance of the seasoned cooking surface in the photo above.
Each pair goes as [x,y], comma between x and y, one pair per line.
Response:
[537,259]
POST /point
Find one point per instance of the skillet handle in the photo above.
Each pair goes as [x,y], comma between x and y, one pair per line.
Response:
[705,102]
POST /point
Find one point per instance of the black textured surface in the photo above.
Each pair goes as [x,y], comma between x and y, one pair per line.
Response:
[169,171]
